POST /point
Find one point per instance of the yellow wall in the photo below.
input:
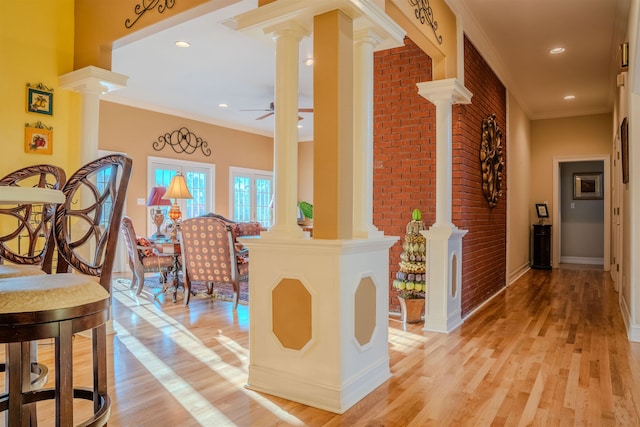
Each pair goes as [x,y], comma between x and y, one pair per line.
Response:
[37,46]
[563,137]
[133,131]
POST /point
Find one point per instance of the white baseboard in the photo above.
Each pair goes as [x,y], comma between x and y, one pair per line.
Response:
[633,331]
[519,272]
[581,260]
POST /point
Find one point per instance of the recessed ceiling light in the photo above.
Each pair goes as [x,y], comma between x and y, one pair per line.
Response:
[557,50]
[569,97]
[223,105]
[299,126]
[308,62]
[181,43]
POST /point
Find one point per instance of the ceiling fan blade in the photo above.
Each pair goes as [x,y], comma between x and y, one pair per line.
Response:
[262,109]
[265,116]
[305,110]
[300,118]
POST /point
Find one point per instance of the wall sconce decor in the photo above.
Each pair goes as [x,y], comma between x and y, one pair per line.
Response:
[177,190]
[141,9]
[157,214]
[38,138]
[424,13]
[491,160]
[39,99]
[182,141]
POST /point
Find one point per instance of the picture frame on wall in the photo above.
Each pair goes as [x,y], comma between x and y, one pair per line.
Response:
[542,211]
[39,99]
[38,139]
[587,186]
[624,143]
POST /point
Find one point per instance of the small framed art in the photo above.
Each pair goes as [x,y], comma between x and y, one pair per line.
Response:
[38,139]
[39,99]
[587,186]
[542,210]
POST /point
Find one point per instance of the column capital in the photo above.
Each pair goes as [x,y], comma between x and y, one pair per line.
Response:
[367,36]
[92,80]
[451,90]
[291,28]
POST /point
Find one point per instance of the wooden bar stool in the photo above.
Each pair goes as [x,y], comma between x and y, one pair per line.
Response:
[58,306]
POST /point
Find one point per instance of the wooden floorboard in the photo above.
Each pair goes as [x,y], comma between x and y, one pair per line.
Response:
[551,350]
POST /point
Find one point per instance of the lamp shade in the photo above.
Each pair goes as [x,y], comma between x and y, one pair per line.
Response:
[155,197]
[178,188]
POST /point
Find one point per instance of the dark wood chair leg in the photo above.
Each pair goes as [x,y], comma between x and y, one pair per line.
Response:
[64,375]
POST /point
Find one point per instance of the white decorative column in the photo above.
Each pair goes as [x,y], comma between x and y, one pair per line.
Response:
[287,36]
[91,82]
[444,240]
[364,43]
[319,332]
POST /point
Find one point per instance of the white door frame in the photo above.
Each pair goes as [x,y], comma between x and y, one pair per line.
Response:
[557,232]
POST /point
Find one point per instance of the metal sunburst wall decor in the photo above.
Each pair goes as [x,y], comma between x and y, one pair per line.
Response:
[182,141]
[424,13]
[491,160]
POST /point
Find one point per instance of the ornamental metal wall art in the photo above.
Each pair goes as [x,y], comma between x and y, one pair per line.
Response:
[424,13]
[182,141]
[146,5]
[491,160]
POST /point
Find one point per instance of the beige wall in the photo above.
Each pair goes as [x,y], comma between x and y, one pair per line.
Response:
[518,183]
[133,131]
[564,137]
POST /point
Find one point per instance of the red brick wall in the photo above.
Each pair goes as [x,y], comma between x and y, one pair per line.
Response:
[404,146]
[404,164]
[484,246]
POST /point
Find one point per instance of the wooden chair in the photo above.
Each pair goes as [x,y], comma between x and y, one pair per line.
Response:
[209,255]
[142,259]
[27,242]
[59,305]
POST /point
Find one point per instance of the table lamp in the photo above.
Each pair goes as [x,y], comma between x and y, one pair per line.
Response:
[157,214]
[177,190]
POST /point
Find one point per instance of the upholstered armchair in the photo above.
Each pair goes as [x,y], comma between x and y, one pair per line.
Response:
[142,258]
[210,256]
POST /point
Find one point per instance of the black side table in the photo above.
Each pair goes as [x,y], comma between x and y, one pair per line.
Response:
[542,246]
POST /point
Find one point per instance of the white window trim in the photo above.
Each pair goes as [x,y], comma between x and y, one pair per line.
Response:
[236,170]
[211,167]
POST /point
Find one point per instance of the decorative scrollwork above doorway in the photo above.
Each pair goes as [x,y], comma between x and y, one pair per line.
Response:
[491,160]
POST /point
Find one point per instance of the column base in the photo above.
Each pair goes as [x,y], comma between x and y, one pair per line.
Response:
[443,311]
[320,333]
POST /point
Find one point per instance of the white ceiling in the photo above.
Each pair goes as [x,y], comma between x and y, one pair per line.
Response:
[226,66]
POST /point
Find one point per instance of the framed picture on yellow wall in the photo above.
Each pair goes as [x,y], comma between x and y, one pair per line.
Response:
[39,99]
[38,139]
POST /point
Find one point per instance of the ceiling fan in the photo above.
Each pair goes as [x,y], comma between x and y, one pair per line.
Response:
[271,111]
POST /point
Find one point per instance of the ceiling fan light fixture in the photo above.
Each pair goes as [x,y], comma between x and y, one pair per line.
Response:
[569,97]
[223,105]
[182,43]
[557,50]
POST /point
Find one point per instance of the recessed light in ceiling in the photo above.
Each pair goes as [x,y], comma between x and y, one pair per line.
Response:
[223,105]
[181,43]
[557,50]
[299,126]
[569,97]
[308,62]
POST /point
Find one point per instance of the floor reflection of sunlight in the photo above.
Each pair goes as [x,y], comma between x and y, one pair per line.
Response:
[405,342]
[198,407]
[181,336]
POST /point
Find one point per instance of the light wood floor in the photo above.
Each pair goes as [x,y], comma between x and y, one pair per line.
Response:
[551,350]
